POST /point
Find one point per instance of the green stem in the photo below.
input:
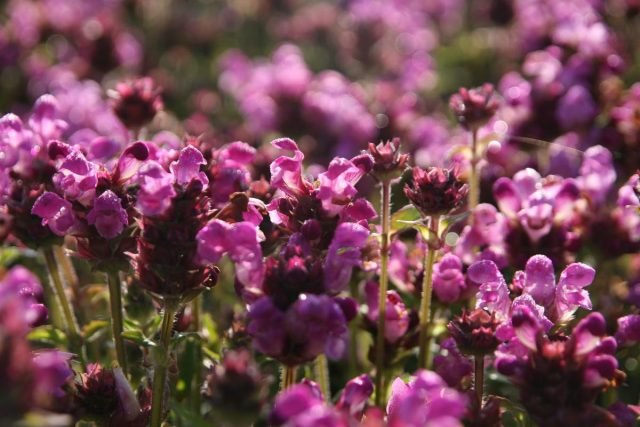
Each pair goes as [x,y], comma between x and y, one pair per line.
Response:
[196,309]
[72,328]
[425,303]
[162,363]
[287,377]
[385,209]
[354,368]
[474,173]
[117,321]
[68,271]
[321,372]
[479,378]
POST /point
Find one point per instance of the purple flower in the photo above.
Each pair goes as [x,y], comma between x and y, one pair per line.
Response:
[628,329]
[156,189]
[344,253]
[485,234]
[396,315]
[76,178]
[312,325]
[426,400]
[241,241]
[20,281]
[450,364]
[56,213]
[265,327]
[559,380]
[337,185]
[597,173]
[107,215]
[570,292]
[319,323]
[286,172]
[538,281]
[448,281]
[576,108]
[52,373]
[45,120]
[493,293]
[187,167]
[355,395]
[130,161]
[301,406]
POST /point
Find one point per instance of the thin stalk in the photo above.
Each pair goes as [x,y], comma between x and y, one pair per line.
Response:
[479,378]
[287,377]
[425,303]
[117,320]
[68,271]
[321,372]
[474,173]
[162,363]
[72,328]
[385,209]
[353,334]
[196,309]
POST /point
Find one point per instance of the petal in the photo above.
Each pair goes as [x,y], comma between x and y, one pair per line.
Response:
[540,279]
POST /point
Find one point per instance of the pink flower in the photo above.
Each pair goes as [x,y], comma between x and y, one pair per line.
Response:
[55,213]
[107,215]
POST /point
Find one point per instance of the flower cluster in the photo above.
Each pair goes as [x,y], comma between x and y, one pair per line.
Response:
[412,213]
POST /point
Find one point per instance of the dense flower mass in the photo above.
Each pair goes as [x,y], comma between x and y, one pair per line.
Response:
[316,213]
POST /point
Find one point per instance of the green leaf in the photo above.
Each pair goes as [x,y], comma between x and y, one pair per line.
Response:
[405,218]
[94,328]
[179,337]
[48,336]
[136,336]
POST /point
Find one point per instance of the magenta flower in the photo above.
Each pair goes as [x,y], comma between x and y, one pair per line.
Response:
[355,395]
[484,237]
[425,400]
[130,161]
[597,174]
[343,254]
[187,167]
[108,215]
[45,119]
[56,213]
[560,300]
[241,242]
[628,329]
[53,372]
[451,364]
[20,281]
[286,172]
[76,178]
[396,315]
[559,380]
[156,189]
[301,406]
[229,170]
[312,325]
[449,283]
[337,185]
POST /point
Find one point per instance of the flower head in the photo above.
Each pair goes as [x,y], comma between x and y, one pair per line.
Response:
[474,107]
[388,163]
[435,191]
[136,102]
[475,332]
